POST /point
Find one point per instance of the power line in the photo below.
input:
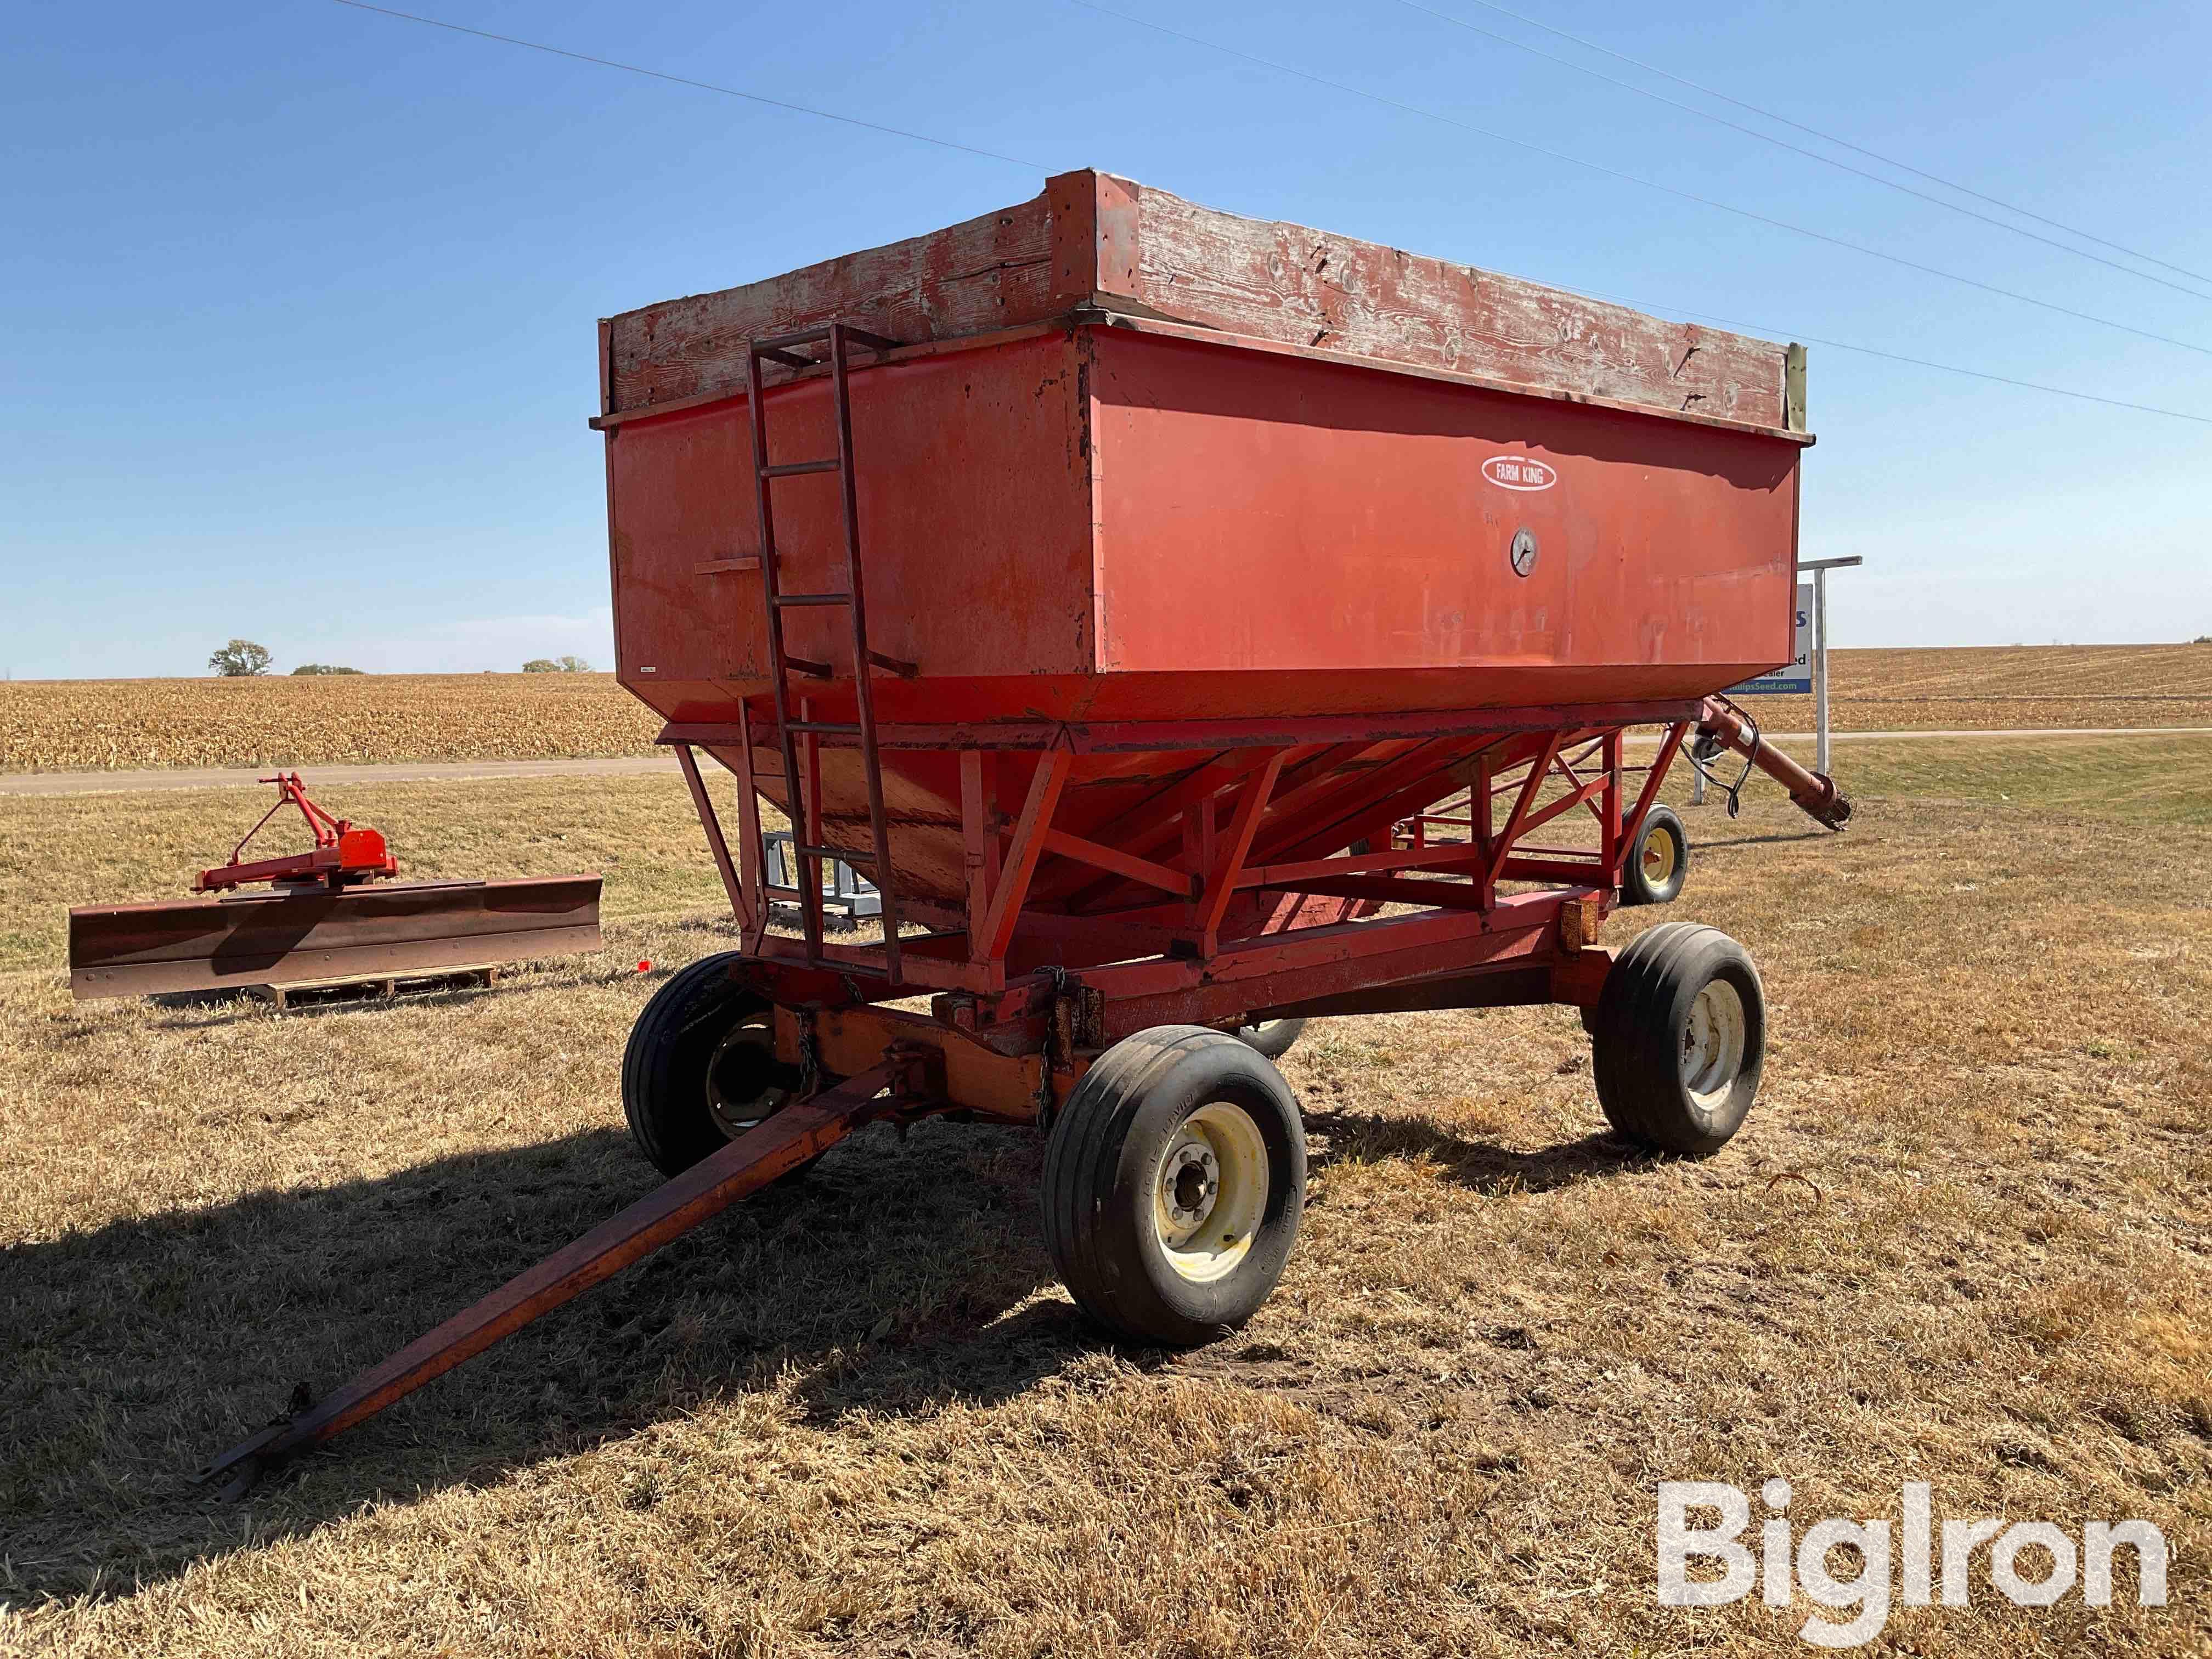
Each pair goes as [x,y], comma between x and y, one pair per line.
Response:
[803,109]
[1897,357]
[1830,137]
[1799,149]
[1650,183]
[703,86]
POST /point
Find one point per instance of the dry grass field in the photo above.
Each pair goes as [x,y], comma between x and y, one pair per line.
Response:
[60,726]
[1966,1238]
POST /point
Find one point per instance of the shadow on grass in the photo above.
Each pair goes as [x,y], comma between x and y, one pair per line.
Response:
[1699,844]
[898,1276]
[192,1011]
[1477,1165]
[131,1353]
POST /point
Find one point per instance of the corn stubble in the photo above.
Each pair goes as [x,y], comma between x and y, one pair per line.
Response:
[59,725]
[64,726]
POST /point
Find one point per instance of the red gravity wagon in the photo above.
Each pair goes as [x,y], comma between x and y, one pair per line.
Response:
[1105,578]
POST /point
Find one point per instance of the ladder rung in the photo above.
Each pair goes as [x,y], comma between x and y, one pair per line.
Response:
[814,598]
[820,335]
[844,854]
[807,665]
[789,359]
[899,666]
[822,726]
[792,469]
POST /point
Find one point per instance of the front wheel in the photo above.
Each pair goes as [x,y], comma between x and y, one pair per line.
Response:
[1679,1039]
[700,1069]
[1272,1037]
[1659,863]
[1174,1180]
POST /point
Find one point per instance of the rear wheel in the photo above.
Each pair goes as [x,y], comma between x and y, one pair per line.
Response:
[1679,1039]
[1659,863]
[1272,1037]
[1174,1180]
[701,1068]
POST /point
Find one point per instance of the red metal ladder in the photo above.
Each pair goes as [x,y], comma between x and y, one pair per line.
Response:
[803,792]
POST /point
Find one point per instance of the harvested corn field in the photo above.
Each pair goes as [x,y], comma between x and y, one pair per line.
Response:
[67,725]
[62,725]
[2006,688]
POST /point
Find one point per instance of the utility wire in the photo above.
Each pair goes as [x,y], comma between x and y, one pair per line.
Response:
[1830,137]
[1897,357]
[1800,149]
[703,86]
[804,109]
[1637,178]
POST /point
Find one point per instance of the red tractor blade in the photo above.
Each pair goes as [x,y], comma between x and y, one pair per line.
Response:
[316,933]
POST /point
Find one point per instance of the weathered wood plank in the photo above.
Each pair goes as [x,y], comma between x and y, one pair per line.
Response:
[1304,287]
[1092,237]
[965,279]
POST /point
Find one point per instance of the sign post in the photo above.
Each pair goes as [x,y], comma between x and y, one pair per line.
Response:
[1821,568]
[1809,671]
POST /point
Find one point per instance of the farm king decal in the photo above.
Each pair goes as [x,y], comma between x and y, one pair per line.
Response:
[1520,472]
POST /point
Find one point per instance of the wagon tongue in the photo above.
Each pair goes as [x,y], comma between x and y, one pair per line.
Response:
[316,933]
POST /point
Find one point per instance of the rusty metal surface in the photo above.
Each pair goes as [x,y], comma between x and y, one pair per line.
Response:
[282,938]
[785,1141]
[1814,792]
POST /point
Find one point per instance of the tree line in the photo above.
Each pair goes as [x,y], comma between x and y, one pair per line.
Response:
[242,659]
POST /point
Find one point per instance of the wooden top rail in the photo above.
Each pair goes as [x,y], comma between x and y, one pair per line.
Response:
[1093,239]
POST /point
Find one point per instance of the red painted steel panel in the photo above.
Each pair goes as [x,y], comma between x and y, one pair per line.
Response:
[974,524]
[1265,513]
[1117,526]
[1103,524]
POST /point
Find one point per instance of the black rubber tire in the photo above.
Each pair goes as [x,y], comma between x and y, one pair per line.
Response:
[1272,1037]
[1642,1028]
[1636,884]
[665,1065]
[1102,1169]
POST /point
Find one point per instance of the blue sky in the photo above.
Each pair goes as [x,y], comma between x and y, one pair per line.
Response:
[300,299]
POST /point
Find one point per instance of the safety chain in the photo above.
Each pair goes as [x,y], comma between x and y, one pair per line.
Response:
[810,1055]
[1047,1108]
[1698,763]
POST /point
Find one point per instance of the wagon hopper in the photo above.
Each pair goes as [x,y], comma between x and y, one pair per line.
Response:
[1104,579]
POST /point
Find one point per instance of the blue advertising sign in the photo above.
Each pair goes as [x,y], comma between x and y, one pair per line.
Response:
[1798,676]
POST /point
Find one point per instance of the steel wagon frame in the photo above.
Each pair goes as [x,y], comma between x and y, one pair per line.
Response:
[1257,877]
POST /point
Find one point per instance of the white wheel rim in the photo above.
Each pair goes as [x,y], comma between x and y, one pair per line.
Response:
[1658,857]
[1713,1041]
[1211,1193]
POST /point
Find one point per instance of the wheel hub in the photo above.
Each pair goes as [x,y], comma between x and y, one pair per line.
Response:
[745,1083]
[1190,1181]
[1713,1040]
[1211,1192]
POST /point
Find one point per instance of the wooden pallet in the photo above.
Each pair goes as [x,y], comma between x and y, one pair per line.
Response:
[479,976]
